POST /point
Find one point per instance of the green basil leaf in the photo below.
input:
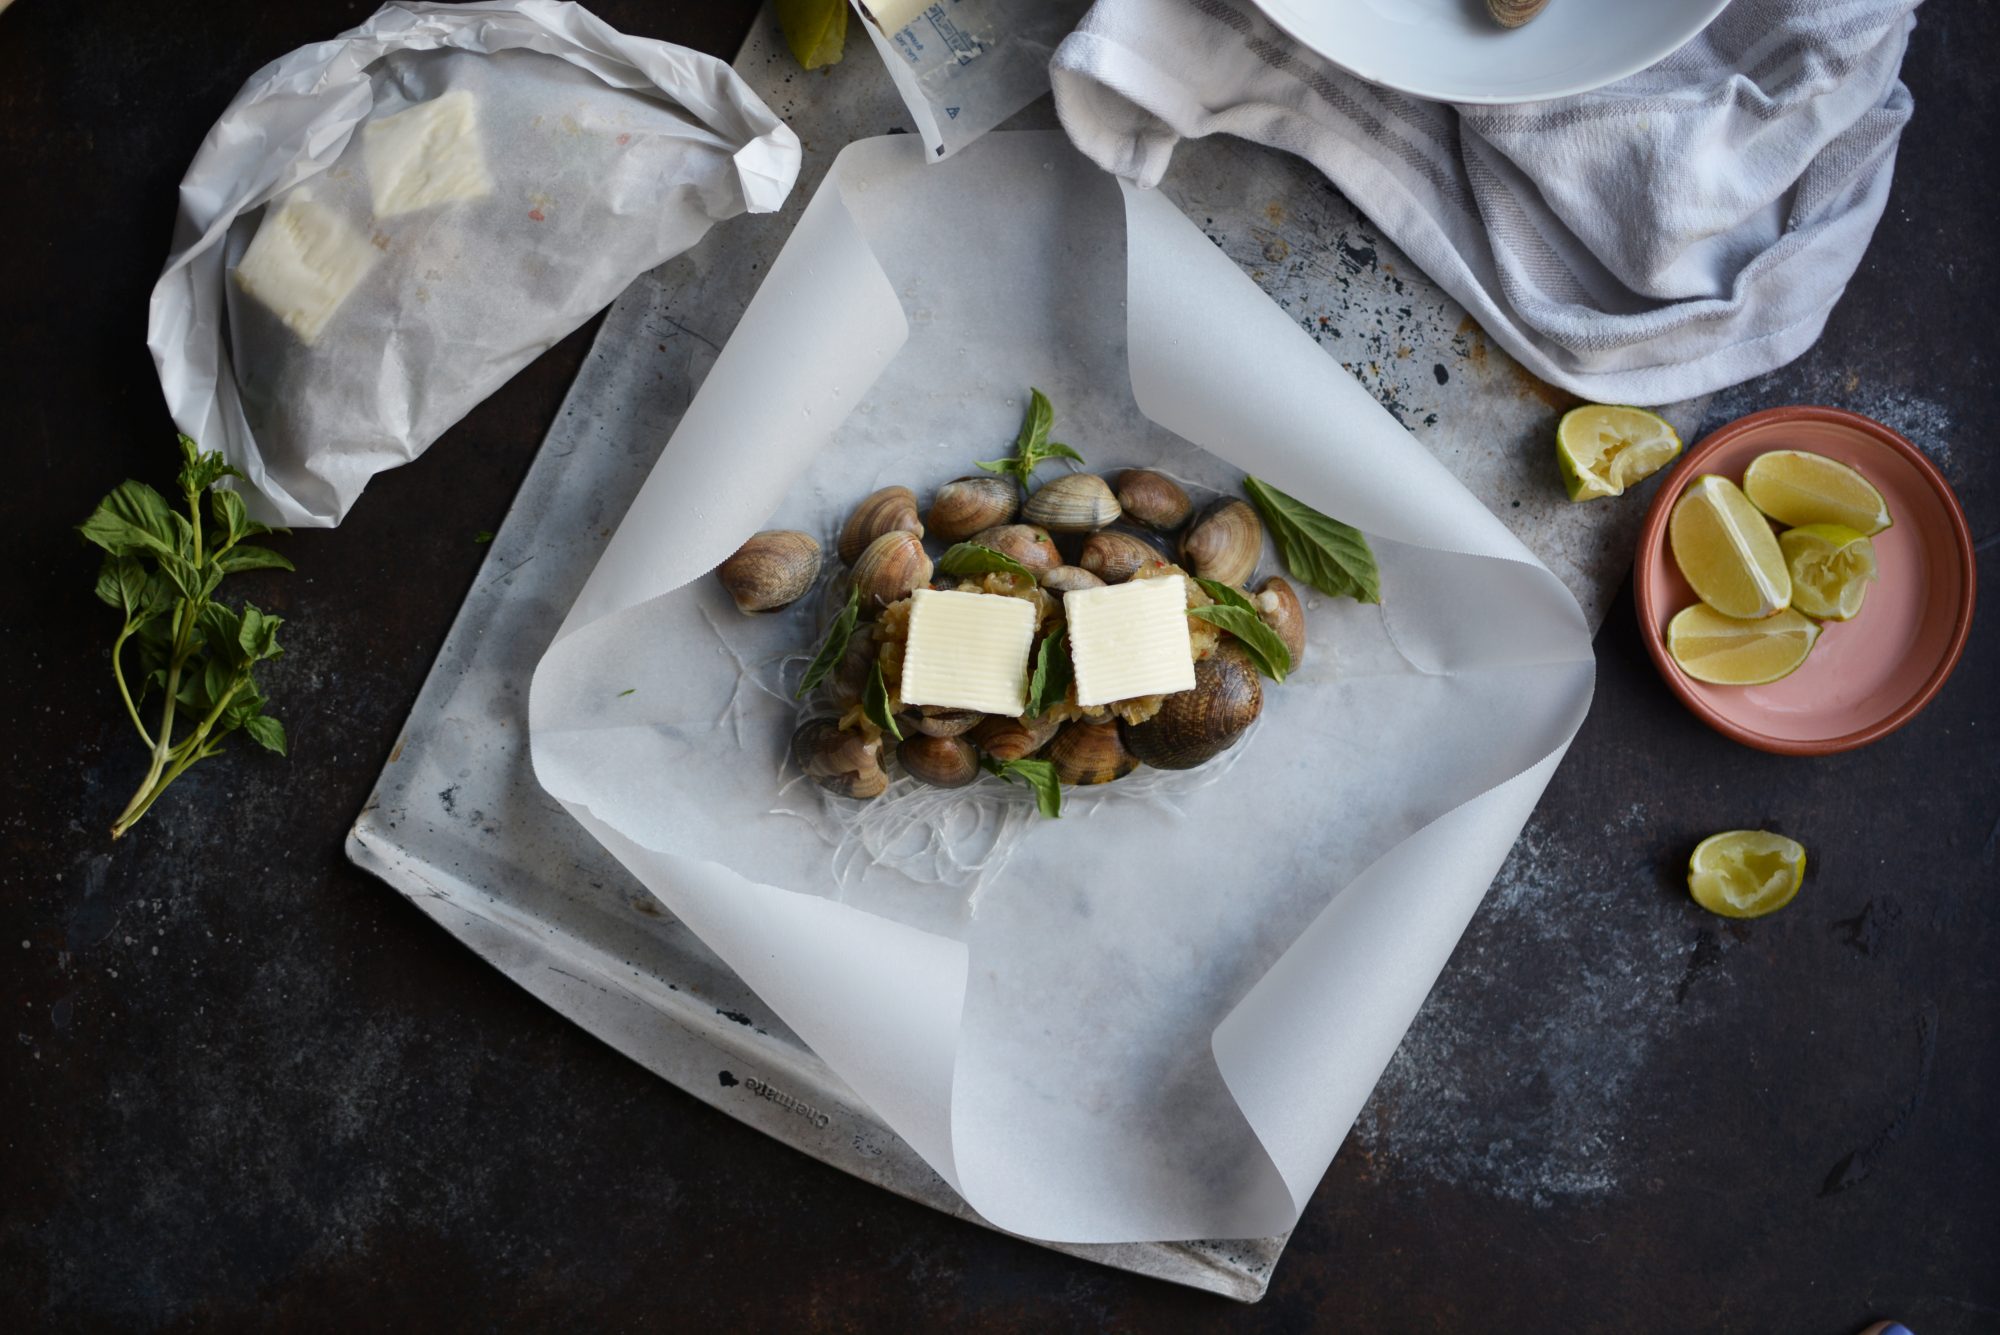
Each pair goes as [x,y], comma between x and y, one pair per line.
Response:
[250,558]
[1057,450]
[200,471]
[969,558]
[1004,467]
[1266,649]
[258,637]
[124,584]
[1035,424]
[1039,775]
[1049,685]
[224,631]
[131,521]
[875,703]
[231,519]
[266,731]
[1331,556]
[1225,594]
[834,648]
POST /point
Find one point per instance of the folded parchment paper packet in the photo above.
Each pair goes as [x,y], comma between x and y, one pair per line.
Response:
[1157,1022]
[963,66]
[603,156]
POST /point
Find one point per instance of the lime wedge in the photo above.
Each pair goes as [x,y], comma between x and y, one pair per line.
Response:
[1831,567]
[1728,652]
[1794,487]
[1727,550]
[1746,873]
[816,30]
[1602,449]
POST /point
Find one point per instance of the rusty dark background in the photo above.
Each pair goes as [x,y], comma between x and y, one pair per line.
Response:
[244,1085]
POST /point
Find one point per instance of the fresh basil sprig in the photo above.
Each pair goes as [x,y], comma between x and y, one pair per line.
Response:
[971,558]
[1048,685]
[1039,775]
[875,703]
[161,570]
[835,646]
[1331,556]
[1033,446]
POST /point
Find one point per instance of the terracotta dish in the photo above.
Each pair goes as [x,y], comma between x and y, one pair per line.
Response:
[1868,676]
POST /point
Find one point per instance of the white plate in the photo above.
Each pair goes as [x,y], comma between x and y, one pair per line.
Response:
[1452,51]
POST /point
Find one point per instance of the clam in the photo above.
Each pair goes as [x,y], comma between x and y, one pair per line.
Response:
[966,505]
[941,721]
[1064,578]
[1112,557]
[840,762]
[1088,753]
[1278,607]
[850,674]
[942,762]
[890,567]
[1513,13]
[1013,738]
[1224,541]
[771,570]
[1194,726]
[1073,503]
[890,510]
[1030,544]
[1152,499]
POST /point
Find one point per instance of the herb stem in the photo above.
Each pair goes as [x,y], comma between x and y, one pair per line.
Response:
[118,672]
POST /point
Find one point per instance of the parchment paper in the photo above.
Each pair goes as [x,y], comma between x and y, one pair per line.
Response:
[1148,1029]
[609,154]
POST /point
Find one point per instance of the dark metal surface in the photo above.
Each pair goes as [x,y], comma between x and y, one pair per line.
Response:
[247,1085]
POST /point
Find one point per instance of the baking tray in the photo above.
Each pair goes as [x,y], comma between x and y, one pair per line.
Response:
[458,824]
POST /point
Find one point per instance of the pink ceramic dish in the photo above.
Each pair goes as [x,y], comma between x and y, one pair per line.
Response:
[1868,676]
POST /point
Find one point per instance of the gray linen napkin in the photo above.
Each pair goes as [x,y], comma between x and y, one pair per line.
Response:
[1678,231]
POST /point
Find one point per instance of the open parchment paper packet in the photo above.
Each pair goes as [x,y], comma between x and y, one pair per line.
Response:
[591,157]
[1146,1028]
[963,66]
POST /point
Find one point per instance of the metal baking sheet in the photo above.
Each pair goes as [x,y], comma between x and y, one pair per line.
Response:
[458,824]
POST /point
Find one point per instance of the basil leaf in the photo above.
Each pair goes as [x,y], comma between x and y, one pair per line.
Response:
[1039,775]
[1035,424]
[875,703]
[1331,556]
[1266,649]
[1057,450]
[132,521]
[251,558]
[266,731]
[1227,595]
[124,584]
[834,648]
[969,558]
[200,471]
[258,638]
[230,517]
[1049,686]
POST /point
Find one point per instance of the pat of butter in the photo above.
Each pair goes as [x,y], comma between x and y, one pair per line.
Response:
[1129,639]
[303,262]
[968,651]
[427,155]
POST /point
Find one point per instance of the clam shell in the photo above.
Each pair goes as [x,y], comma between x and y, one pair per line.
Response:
[1064,578]
[840,762]
[941,721]
[1152,499]
[1090,753]
[1278,607]
[1513,13]
[770,571]
[850,675]
[890,510]
[1013,738]
[966,505]
[1030,544]
[1195,726]
[1112,557]
[1224,542]
[890,567]
[942,762]
[1073,503]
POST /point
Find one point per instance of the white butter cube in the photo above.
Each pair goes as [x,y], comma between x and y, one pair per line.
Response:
[427,155]
[968,651]
[303,262]
[1129,639]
